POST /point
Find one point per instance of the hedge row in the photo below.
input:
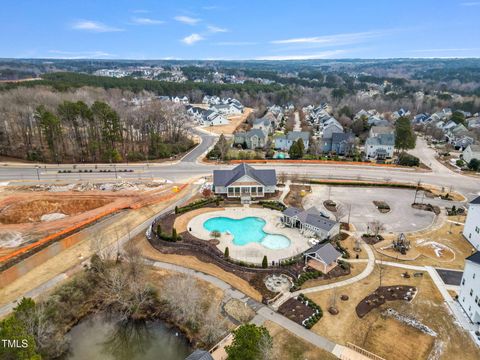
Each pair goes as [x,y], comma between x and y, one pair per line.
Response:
[196,205]
[309,275]
[274,205]
[312,304]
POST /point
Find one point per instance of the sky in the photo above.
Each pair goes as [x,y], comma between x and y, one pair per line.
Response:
[239,30]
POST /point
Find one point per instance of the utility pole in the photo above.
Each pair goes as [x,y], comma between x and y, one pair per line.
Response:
[38,172]
[115,169]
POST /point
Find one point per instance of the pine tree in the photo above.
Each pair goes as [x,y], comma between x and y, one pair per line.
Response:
[264,262]
[227,252]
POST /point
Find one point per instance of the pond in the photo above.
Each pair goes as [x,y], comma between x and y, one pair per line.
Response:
[97,337]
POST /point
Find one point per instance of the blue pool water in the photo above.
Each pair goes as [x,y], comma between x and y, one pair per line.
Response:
[247,230]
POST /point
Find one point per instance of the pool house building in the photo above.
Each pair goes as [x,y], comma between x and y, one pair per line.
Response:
[244,182]
[311,222]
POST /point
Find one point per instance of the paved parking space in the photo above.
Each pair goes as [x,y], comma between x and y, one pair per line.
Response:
[450,277]
[401,218]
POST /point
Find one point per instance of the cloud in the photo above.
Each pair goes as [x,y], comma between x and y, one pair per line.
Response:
[146,21]
[216,29]
[93,26]
[192,39]
[235,43]
[187,20]
[336,39]
[321,55]
[80,54]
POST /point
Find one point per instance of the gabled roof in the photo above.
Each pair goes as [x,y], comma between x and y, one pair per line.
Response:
[291,211]
[227,177]
[199,355]
[340,137]
[474,258]
[381,139]
[326,252]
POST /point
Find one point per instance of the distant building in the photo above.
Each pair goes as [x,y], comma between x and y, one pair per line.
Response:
[471,230]
[471,152]
[252,139]
[330,128]
[244,182]
[285,142]
[380,147]
[343,143]
[469,295]
[310,221]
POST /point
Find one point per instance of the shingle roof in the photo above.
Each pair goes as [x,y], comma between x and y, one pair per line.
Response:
[294,135]
[339,137]
[266,177]
[475,258]
[476,200]
[320,222]
[381,139]
[326,252]
[291,211]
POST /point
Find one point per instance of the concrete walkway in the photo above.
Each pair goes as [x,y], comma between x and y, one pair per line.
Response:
[285,191]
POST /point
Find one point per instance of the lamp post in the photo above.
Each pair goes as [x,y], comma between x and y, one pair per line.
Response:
[38,172]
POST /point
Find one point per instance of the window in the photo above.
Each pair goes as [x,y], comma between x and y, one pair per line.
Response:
[463,281]
[471,292]
[474,275]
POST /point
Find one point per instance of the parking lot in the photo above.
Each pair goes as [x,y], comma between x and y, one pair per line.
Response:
[359,202]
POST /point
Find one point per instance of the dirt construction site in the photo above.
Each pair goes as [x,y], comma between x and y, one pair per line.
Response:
[29,214]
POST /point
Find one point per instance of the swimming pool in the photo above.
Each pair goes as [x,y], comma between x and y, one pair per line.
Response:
[247,230]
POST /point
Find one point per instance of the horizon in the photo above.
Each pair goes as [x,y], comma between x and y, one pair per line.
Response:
[255,31]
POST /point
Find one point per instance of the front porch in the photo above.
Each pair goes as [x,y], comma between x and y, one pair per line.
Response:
[245,191]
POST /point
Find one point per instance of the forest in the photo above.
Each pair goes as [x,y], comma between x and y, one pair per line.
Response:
[89,125]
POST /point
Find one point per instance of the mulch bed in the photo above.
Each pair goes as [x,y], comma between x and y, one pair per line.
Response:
[295,310]
[372,239]
[382,206]
[382,295]
[330,205]
[427,207]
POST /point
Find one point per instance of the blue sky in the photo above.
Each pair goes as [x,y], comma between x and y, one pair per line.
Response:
[247,29]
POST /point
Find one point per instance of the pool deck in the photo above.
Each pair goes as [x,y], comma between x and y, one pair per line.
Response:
[252,252]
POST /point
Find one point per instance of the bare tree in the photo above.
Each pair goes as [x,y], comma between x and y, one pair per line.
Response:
[376,226]
[340,212]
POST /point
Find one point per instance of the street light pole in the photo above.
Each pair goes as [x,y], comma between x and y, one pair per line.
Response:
[38,173]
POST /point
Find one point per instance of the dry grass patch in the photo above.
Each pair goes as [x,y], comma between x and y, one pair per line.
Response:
[287,346]
[239,310]
[457,248]
[194,263]
[349,244]
[388,337]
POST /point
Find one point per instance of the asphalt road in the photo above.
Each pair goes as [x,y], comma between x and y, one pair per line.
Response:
[189,167]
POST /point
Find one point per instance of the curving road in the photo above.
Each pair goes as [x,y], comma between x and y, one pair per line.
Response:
[189,167]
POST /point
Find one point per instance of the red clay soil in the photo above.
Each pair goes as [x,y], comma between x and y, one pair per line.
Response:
[295,310]
[382,295]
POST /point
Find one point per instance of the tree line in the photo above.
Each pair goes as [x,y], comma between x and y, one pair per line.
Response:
[89,125]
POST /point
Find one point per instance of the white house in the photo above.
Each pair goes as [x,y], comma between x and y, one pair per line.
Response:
[380,146]
[227,109]
[285,142]
[469,296]
[244,182]
[212,118]
[471,152]
[471,230]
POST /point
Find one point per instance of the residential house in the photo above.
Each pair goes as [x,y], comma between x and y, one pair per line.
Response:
[199,355]
[311,222]
[377,120]
[469,294]
[400,113]
[463,142]
[377,130]
[333,127]
[244,182]
[264,124]
[471,152]
[420,118]
[252,139]
[380,147]
[471,229]
[284,142]
[364,114]
[473,122]
[322,257]
[227,109]
[212,118]
[180,100]
[343,143]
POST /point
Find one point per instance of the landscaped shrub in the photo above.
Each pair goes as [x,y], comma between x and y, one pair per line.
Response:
[227,252]
[196,205]
[274,205]
[264,262]
[313,305]
[405,159]
[363,184]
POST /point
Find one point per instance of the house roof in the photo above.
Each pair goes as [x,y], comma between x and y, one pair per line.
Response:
[382,129]
[474,258]
[320,222]
[266,177]
[340,137]
[474,148]
[326,252]
[475,201]
[291,211]
[295,135]
[199,355]
[381,139]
